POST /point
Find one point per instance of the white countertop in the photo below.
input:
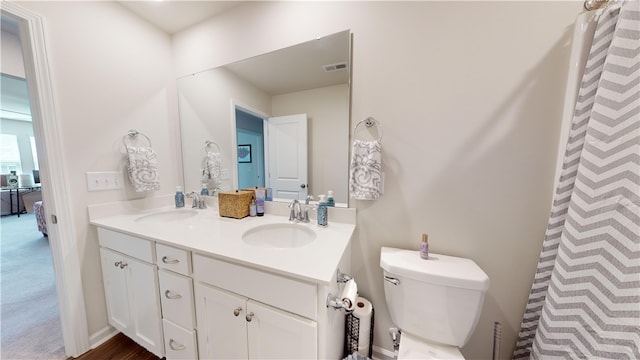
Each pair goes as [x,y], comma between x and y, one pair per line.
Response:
[209,234]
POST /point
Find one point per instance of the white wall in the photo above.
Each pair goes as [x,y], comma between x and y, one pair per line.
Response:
[111,72]
[11,55]
[470,97]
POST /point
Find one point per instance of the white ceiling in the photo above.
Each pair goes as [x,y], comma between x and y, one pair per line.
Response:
[175,15]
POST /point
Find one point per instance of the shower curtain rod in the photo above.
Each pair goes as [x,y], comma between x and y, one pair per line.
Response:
[595,4]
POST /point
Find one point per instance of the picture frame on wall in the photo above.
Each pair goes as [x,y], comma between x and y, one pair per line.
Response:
[244,153]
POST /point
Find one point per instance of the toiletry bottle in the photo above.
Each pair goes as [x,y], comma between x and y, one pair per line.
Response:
[179,197]
[330,200]
[424,247]
[323,212]
[260,202]
[205,190]
[252,207]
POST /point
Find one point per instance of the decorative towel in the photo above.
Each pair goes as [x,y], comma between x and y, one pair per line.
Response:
[143,169]
[366,177]
[212,169]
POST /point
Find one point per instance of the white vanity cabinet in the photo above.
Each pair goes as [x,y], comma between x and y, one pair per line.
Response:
[131,288]
[234,326]
[188,295]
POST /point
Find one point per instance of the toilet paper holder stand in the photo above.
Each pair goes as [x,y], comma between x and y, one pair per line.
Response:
[337,303]
[342,277]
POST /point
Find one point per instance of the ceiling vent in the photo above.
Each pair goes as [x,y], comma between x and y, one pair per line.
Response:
[334,67]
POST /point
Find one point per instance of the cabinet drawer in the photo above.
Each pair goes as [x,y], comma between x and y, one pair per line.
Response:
[126,244]
[179,343]
[176,294]
[170,258]
[293,295]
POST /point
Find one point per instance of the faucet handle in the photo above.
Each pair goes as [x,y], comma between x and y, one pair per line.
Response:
[292,213]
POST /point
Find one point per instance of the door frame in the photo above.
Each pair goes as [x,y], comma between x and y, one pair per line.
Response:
[234,140]
[46,126]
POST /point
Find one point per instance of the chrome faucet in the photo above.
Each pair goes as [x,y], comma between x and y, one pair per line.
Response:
[306,207]
[296,210]
[198,202]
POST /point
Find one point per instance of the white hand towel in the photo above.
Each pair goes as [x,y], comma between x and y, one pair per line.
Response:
[366,177]
[143,169]
[212,169]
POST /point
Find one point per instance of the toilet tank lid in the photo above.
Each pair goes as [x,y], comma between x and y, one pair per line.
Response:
[438,269]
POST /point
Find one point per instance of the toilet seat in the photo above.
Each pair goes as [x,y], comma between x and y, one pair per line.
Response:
[413,348]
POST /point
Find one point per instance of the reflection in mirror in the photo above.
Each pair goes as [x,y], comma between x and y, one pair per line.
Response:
[281,120]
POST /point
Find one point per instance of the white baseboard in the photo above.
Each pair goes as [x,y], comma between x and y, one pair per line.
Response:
[379,353]
[98,338]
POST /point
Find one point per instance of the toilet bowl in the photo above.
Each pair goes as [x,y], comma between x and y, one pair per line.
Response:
[435,302]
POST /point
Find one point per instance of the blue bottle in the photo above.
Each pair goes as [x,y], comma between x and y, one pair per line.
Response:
[179,197]
[323,212]
[205,190]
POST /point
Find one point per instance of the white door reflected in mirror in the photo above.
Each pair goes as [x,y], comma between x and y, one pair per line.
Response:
[287,138]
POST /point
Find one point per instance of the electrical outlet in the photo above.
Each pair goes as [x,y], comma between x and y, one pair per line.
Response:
[105,180]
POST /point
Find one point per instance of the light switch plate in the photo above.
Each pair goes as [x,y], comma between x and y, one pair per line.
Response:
[105,180]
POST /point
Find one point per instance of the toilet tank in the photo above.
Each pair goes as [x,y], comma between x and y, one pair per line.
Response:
[439,299]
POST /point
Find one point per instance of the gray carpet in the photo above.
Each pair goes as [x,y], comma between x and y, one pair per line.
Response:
[30,317]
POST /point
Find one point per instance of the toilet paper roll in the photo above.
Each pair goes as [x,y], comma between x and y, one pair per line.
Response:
[349,293]
[363,311]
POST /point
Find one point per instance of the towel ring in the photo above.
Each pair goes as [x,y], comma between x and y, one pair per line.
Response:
[132,135]
[369,122]
[208,143]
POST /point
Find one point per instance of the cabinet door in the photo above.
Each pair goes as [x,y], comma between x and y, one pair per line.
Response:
[275,334]
[116,293]
[145,305]
[221,333]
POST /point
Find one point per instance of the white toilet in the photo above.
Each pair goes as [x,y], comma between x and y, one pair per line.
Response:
[436,303]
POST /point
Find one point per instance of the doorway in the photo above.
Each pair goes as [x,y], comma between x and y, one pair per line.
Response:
[46,128]
[31,325]
[250,138]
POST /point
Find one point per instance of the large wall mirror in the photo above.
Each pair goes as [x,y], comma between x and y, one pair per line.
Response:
[279,120]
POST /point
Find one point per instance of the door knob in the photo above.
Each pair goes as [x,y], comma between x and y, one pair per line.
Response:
[302,186]
[249,316]
[237,311]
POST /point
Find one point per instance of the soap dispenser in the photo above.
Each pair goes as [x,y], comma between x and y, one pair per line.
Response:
[330,201]
[179,197]
[205,190]
[323,212]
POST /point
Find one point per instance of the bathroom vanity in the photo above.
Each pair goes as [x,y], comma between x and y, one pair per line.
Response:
[188,284]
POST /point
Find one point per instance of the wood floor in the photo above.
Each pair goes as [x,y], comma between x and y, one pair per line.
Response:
[118,347]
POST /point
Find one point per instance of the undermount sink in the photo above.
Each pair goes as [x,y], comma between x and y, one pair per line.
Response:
[168,215]
[279,236]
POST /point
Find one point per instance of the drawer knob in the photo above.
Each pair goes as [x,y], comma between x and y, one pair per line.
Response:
[174,345]
[117,263]
[123,265]
[237,311]
[249,316]
[166,260]
[171,296]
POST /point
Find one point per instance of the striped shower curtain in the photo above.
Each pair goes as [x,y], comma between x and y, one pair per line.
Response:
[585,298]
